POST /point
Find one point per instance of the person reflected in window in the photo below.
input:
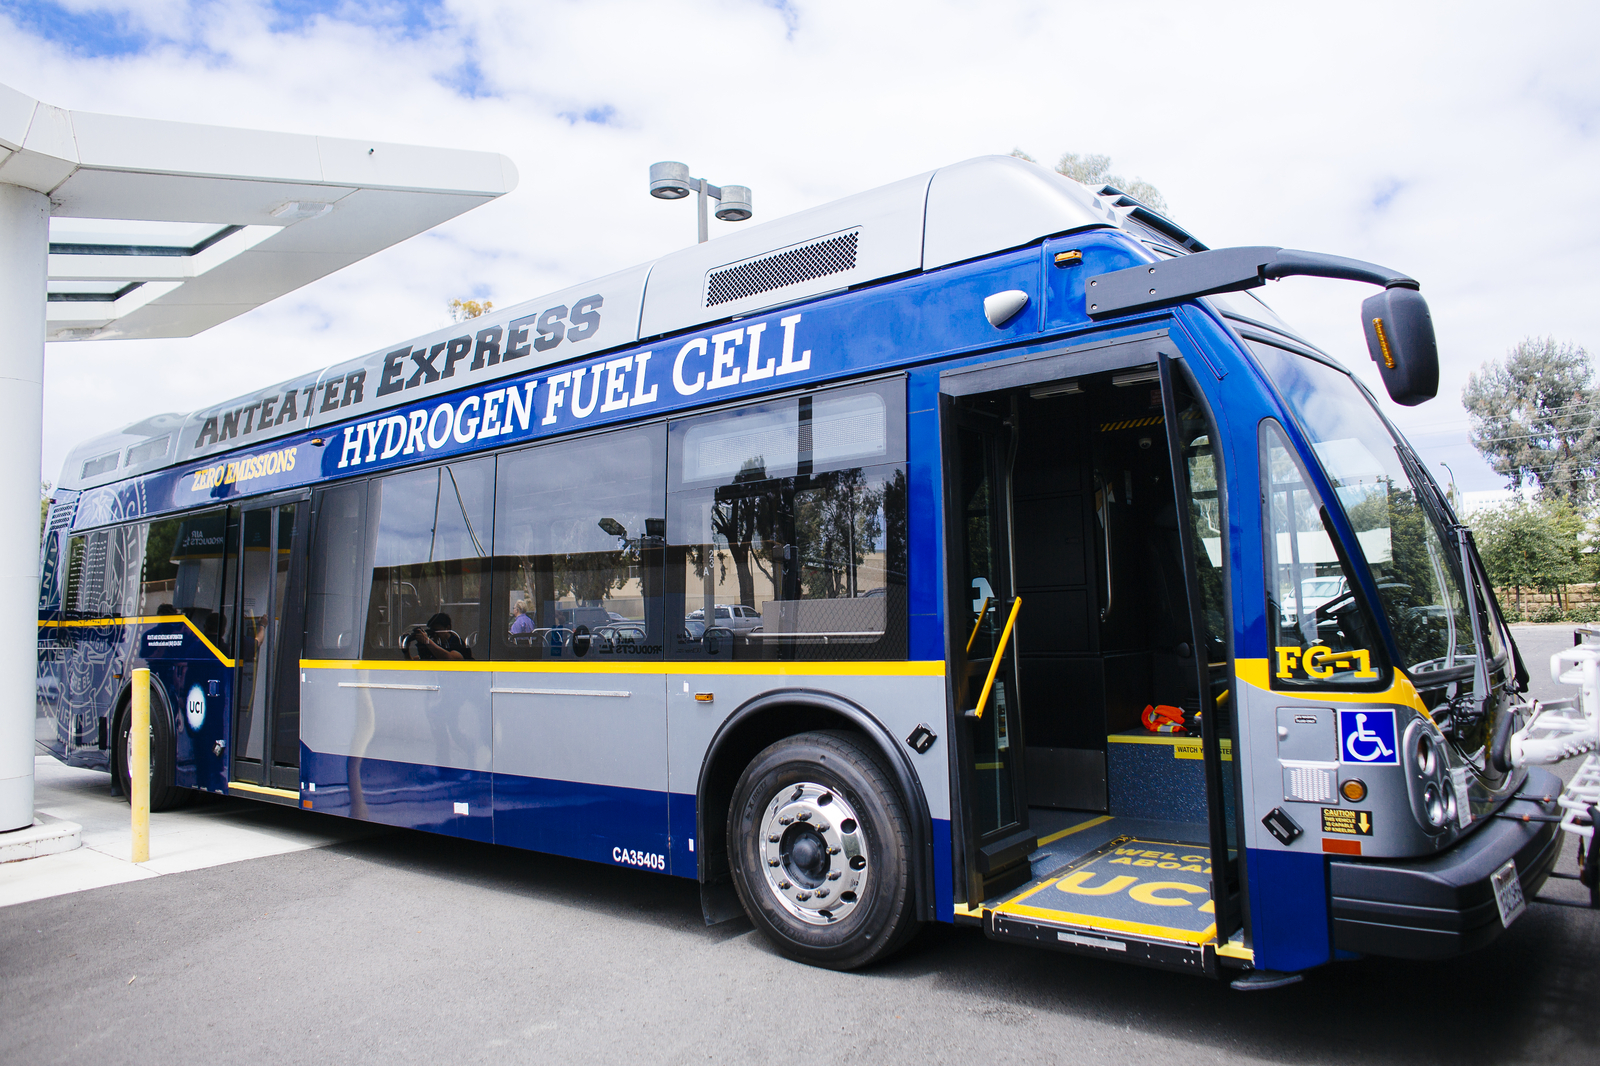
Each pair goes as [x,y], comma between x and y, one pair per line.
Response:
[520,622]
[436,640]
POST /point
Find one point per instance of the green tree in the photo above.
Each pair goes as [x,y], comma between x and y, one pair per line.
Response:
[1096,170]
[1533,418]
[1532,545]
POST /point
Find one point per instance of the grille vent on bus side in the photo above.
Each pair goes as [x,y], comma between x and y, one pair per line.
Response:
[833,255]
[61,517]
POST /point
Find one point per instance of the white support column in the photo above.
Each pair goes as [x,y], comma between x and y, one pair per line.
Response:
[24,262]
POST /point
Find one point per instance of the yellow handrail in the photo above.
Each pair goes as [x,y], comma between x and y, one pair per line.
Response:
[978,624]
[1000,650]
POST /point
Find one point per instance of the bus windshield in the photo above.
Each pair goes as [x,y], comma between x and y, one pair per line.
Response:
[1407,544]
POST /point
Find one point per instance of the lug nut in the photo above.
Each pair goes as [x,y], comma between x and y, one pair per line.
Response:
[805,816]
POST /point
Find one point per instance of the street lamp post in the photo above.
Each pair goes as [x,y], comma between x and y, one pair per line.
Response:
[671,181]
[1455,504]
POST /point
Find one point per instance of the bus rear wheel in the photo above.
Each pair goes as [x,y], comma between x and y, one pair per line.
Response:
[164,795]
[820,850]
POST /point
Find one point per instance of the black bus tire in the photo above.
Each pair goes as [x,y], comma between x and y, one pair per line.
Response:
[164,794]
[820,851]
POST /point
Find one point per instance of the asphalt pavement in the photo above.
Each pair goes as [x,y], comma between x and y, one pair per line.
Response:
[405,947]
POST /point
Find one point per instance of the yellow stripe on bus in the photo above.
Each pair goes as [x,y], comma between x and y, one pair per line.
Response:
[285,793]
[157,619]
[913,668]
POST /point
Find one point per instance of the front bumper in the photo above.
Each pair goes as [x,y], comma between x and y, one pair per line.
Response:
[1444,905]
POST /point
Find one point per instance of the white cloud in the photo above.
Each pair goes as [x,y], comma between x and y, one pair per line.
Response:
[1454,142]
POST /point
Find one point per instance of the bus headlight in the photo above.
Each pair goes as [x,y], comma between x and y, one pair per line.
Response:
[1426,772]
[1433,806]
[1426,755]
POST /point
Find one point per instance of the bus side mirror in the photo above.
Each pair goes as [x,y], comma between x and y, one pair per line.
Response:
[1400,338]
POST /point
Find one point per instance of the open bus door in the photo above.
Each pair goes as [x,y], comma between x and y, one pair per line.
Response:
[983,608]
[271,546]
[1087,484]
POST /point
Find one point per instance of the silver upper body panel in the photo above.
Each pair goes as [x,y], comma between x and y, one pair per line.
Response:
[946,216]
[639,730]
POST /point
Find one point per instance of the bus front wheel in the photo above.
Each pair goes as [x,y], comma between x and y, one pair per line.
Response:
[820,850]
[164,795]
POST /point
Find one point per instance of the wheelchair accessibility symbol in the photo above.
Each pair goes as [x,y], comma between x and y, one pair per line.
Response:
[1367,737]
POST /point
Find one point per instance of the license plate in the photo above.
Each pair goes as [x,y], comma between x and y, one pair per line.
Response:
[1508,893]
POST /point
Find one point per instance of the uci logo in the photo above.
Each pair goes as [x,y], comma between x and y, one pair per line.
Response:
[194,708]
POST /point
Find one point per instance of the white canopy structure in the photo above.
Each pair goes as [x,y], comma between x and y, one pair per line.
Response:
[114,228]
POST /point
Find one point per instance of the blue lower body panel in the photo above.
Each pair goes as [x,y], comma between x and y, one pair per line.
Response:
[1290,925]
[602,823]
[401,794]
[944,883]
[599,822]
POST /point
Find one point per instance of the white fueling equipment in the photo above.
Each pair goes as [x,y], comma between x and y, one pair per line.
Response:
[1563,729]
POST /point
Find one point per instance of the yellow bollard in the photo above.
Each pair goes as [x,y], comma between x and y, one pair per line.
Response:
[139,765]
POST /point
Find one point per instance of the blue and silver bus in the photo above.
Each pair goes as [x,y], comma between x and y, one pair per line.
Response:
[945,553]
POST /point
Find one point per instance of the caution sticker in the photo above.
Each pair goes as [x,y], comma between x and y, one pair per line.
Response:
[1350,823]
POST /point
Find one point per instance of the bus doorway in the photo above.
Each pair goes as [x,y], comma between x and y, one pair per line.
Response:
[1085,513]
[269,604]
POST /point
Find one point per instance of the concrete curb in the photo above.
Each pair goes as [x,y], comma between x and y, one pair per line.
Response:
[46,836]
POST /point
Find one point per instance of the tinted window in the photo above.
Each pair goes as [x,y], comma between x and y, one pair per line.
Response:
[431,555]
[184,566]
[337,585]
[786,528]
[578,548]
[1406,541]
[1315,641]
[103,570]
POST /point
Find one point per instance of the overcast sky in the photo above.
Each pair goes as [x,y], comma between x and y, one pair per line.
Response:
[1455,142]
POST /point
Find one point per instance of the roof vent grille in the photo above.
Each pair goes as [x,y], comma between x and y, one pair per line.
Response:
[154,448]
[101,464]
[832,255]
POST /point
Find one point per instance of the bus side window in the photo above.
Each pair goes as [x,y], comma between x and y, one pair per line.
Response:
[335,591]
[72,600]
[183,566]
[431,555]
[786,528]
[103,573]
[577,554]
[1321,631]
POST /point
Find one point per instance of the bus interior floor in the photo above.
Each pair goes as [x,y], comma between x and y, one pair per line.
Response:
[1065,836]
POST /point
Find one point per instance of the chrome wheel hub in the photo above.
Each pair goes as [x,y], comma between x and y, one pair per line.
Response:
[813,854]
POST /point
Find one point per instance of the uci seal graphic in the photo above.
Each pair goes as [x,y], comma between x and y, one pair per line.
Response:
[195,708]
